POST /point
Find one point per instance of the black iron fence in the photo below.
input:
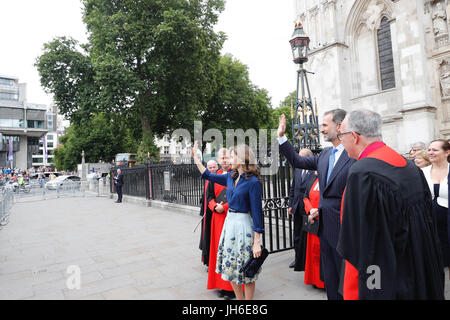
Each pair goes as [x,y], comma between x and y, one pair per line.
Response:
[181,184]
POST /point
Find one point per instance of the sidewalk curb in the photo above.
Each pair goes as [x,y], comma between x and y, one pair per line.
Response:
[160,204]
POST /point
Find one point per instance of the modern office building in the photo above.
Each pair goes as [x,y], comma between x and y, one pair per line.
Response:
[22,124]
[44,155]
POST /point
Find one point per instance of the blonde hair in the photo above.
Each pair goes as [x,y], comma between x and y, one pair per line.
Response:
[424,155]
[249,163]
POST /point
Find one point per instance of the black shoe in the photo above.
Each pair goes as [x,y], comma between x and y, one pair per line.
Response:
[229,295]
[221,293]
[292,264]
[117,201]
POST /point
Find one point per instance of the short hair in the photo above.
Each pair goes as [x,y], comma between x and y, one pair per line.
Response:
[365,122]
[419,144]
[338,115]
[212,160]
[308,152]
[221,150]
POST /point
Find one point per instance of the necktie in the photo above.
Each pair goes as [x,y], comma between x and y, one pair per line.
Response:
[331,163]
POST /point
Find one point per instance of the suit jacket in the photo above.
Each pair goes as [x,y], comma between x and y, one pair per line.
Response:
[331,193]
[298,190]
[119,181]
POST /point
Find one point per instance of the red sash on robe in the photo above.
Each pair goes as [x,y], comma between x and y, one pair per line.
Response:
[377,150]
[312,263]
[215,280]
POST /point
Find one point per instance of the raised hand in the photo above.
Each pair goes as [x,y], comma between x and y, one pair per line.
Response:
[281,126]
[194,150]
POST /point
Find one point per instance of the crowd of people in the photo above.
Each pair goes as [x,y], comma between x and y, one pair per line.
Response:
[369,223]
[40,174]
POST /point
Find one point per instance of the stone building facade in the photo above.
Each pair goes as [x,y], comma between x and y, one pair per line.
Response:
[390,56]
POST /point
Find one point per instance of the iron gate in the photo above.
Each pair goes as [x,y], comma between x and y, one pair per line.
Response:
[181,183]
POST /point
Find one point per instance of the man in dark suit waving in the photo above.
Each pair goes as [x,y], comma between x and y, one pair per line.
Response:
[332,166]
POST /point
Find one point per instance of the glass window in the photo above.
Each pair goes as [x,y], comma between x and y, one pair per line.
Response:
[6,81]
[38,124]
[49,137]
[49,144]
[11,123]
[385,55]
[9,96]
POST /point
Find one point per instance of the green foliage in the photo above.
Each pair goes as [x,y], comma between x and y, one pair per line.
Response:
[236,102]
[149,67]
[153,57]
[284,108]
[66,72]
[100,137]
[147,59]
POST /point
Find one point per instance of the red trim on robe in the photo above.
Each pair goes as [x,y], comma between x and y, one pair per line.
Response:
[312,263]
[377,150]
[215,280]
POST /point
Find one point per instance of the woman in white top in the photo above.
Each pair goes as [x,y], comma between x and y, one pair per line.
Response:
[437,178]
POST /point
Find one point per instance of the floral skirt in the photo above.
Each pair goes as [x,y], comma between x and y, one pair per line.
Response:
[235,247]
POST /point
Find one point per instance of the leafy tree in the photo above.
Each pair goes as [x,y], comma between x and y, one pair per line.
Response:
[101,137]
[284,108]
[66,72]
[150,59]
[236,102]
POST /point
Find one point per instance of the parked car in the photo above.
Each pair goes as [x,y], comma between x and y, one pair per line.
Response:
[63,181]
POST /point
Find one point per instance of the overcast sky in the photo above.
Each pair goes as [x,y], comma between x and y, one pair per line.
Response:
[258,33]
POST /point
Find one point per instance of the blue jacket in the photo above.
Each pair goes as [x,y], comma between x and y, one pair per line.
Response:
[331,193]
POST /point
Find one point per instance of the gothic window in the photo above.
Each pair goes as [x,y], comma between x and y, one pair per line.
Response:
[386,60]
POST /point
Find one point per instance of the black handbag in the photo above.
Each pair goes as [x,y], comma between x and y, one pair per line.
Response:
[311,228]
[254,264]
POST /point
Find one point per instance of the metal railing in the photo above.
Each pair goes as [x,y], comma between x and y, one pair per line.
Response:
[6,203]
[12,193]
[181,184]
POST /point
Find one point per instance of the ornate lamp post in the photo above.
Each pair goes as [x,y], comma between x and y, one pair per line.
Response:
[305,124]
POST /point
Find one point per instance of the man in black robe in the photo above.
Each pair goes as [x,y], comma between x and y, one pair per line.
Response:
[297,210]
[388,235]
[206,213]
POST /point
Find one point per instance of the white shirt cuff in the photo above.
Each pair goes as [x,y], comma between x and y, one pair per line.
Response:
[282,140]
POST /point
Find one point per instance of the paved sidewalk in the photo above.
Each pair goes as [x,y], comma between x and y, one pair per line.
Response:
[124,251]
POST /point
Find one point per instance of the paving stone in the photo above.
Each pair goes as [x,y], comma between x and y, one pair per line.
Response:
[124,252]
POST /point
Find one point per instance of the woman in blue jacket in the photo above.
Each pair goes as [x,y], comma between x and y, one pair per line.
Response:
[241,233]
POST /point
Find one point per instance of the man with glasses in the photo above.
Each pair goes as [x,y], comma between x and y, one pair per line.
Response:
[388,234]
[332,166]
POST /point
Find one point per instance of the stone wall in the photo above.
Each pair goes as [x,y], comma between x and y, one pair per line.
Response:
[347,37]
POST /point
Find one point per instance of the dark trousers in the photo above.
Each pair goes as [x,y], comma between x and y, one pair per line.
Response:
[300,238]
[119,193]
[331,263]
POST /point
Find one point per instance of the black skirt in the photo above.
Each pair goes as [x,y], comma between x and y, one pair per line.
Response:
[441,214]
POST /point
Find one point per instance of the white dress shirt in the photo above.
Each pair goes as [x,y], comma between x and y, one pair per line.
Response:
[442,199]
